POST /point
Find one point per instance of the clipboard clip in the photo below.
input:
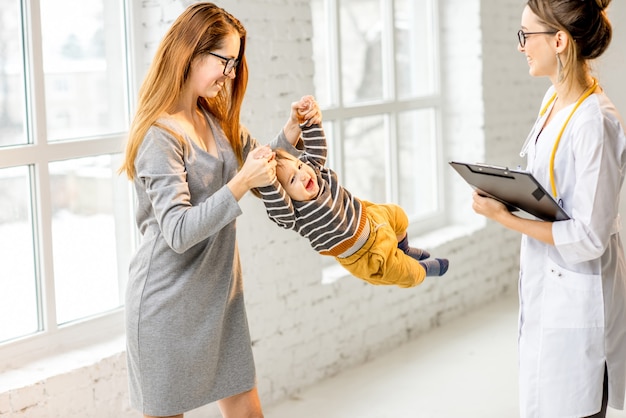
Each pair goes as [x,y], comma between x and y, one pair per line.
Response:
[491,170]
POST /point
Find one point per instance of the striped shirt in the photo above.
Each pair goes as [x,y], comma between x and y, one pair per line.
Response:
[334,222]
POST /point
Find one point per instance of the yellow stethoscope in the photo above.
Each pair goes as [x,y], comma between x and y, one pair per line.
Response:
[582,98]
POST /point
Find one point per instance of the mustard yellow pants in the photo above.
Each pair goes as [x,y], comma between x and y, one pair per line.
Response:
[380,261]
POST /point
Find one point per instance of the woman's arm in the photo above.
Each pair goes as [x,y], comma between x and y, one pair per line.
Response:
[164,178]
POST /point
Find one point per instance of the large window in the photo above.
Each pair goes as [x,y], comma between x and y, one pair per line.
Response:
[376,78]
[65,229]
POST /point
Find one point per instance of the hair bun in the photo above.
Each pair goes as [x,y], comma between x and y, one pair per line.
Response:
[602,4]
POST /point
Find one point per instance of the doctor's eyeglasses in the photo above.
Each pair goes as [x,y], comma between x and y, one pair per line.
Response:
[521,36]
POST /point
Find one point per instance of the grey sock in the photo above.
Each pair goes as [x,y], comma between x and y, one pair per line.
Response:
[435,267]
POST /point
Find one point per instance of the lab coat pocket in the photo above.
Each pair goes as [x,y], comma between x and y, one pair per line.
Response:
[571,299]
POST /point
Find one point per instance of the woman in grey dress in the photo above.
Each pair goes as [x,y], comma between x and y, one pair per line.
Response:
[191,161]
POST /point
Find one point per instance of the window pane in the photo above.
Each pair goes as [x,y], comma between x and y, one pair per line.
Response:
[417,162]
[12,86]
[321,52]
[414,48]
[84,68]
[84,193]
[361,51]
[365,150]
[18,285]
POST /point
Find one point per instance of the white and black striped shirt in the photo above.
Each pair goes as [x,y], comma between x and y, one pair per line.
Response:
[334,220]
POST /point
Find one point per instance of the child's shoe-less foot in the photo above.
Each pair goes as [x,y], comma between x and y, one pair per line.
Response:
[435,267]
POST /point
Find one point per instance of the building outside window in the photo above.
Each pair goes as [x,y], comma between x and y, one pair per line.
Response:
[65,223]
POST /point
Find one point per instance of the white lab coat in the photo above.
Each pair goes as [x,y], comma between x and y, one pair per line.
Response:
[573,294]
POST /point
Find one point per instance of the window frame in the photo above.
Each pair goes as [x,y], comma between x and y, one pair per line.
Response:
[53,338]
[390,107]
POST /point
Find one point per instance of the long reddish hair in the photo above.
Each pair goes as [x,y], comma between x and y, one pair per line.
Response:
[201,28]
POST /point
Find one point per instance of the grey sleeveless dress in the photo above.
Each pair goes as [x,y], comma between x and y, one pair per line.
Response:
[188,342]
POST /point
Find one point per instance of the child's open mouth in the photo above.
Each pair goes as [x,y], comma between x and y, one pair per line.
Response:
[310,185]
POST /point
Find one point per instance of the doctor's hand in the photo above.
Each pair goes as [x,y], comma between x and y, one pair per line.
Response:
[488,207]
[496,211]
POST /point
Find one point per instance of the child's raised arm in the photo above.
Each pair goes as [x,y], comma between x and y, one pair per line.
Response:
[305,110]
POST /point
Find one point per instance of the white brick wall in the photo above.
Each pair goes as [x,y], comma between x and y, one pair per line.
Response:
[304,331]
[97,391]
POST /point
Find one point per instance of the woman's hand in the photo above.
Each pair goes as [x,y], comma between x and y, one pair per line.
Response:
[258,170]
[487,206]
[262,152]
[304,110]
[260,167]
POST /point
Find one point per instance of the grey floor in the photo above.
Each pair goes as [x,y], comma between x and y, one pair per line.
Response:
[465,369]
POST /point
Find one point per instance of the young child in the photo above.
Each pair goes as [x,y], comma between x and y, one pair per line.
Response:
[369,240]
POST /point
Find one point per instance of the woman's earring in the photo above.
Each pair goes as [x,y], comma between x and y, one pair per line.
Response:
[559,68]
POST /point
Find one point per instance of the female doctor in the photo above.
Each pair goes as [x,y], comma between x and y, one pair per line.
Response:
[572,287]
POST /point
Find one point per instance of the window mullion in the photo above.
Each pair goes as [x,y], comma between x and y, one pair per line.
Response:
[133,78]
[390,93]
[394,178]
[43,210]
[37,131]
[436,56]
[35,84]
[392,155]
[336,82]
[388,52]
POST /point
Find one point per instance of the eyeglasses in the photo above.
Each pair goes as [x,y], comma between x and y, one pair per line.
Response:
[229,63]
[521,36]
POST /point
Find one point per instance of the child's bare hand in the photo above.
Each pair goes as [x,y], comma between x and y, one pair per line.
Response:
[305,104]
[306,110]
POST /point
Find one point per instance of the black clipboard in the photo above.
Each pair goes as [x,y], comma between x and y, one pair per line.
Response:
[517,189]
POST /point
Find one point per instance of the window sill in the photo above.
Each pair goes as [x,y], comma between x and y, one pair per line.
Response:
[39,357]
[61,363]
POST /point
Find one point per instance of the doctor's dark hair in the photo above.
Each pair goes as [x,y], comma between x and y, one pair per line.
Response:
[585,22]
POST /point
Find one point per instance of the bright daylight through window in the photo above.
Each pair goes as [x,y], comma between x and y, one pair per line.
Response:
[376,78]
[65,229]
